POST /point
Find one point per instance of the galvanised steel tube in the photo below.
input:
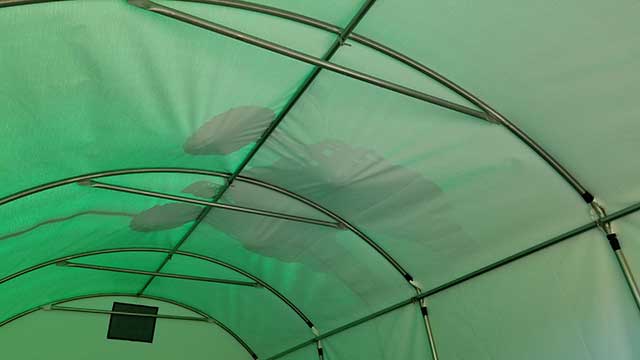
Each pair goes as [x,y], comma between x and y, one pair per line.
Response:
[427,324]
[153,273]
[130,190]
[111,312]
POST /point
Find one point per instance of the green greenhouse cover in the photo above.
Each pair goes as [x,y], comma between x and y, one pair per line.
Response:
[321,179]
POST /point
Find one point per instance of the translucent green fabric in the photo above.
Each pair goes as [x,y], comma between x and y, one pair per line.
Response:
[340,200]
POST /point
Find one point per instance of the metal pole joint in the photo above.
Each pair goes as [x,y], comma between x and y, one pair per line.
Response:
[600,214]
[604,223]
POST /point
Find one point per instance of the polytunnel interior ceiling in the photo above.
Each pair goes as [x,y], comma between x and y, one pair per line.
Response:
[381,210]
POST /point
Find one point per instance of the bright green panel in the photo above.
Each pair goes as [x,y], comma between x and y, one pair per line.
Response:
[330,274]
[400,335]
[255,314]
[74,219]
[145,90]
[569,301]
[565,71]
[338,12]
[442,192]
[76,336]
[281,31]
[53,283]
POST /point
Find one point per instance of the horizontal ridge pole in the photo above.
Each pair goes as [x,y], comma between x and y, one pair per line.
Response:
[510,259]
[241,209]
[312,60]
[111,312]
[159,274]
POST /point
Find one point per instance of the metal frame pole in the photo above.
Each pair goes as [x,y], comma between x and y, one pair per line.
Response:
[153,273]
[427,323]
[246,210]
[111,312]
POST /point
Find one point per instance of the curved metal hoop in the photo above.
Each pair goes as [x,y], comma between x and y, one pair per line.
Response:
[434,75]
[279,295]
[246,179]
[150,297]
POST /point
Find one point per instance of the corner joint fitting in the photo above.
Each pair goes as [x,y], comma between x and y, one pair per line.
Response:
[600,214]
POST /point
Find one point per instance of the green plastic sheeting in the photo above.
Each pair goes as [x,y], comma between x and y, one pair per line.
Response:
[364,182]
